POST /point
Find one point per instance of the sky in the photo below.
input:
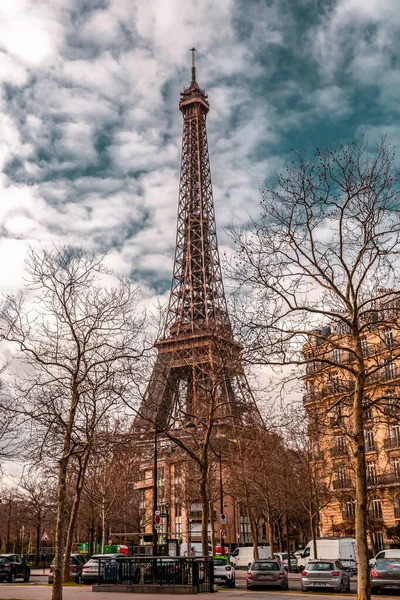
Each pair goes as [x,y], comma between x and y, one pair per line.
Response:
[90,129]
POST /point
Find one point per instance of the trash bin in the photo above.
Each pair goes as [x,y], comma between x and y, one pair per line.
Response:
[110,571]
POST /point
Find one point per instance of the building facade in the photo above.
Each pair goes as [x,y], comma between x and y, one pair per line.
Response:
[328,402]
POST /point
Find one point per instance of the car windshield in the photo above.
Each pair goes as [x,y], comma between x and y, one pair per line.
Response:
[321,566]
[265,566]
[220,562]
[388,563]
[3,559]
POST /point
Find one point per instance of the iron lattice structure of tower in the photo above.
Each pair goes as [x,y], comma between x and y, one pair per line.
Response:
[197,355]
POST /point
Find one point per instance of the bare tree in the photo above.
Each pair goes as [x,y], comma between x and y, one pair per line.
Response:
[74,330]
[326,243]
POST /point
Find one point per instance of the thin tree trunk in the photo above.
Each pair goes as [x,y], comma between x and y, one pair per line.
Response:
[37,545]
[74,514]
[60,529]
[363,581]
[212,529]
[103,525]
[204,506]
[271,535]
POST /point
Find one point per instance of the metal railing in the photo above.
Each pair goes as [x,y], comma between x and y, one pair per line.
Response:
[161,571]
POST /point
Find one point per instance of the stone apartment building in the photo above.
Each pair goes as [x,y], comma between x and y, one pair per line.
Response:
[328,401]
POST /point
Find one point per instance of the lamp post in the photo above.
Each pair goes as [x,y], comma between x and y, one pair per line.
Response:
[333,527]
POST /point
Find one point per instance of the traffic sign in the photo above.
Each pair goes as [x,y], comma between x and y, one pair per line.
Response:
[222,518]
[164,515]
[157,518]
[45,537]
[223,532]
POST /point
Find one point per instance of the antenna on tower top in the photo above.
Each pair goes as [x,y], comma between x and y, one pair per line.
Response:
[193,51]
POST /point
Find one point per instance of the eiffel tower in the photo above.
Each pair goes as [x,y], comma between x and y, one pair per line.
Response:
[197,354]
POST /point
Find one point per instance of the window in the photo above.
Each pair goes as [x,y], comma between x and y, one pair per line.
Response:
[178,474]
[160,475]
[397,507]
[335,355]
[142,499]
[375,508]
[342,478]
[335,383]
[394,436]
[348,508]
[388,337]
[364,347]
[395,466]
[371,471]
[340,444]
[369,440]
[389,369]
[378,541]
[178,519]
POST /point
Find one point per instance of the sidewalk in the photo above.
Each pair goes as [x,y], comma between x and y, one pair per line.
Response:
[41,592]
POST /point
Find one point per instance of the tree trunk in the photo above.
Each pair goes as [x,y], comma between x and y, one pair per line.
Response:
[313,532]
[204,506]
[60,529]
[363,580]
[103,525]
[74,514]
[37,545]
[212,529]
[271,536]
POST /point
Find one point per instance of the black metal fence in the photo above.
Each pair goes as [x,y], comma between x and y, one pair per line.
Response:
[197,572]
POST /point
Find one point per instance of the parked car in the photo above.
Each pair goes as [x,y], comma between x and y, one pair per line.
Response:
[223,571]
[12,567]
[267,573]
[76,563]
[395,553]
[283,557]
[325,574]
[385,575]
[90,570]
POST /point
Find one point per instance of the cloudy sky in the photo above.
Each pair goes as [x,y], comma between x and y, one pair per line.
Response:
[90,130]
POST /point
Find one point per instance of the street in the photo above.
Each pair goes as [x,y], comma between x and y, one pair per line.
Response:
[35,590]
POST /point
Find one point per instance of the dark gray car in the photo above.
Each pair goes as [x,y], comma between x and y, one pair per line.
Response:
[328,574]
[385,575]
[267,573]
[12,567]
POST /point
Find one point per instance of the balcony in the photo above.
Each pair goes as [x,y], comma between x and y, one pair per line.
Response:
[391,442]
[337,451]
[383,479]
[375,515]
[342,484]
[370,447]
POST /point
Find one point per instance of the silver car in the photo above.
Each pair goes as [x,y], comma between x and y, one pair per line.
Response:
[93,570]
[283,557]
[328,574]
[385,575]
[267,573]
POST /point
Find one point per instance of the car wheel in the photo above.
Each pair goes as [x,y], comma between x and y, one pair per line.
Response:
[304,589]
[374,590]
[27,576]
[79,579]
[137,576]
[231,583]
[11,578]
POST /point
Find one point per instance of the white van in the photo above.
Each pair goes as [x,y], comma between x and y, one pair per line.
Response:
[343,549]
[242,557]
